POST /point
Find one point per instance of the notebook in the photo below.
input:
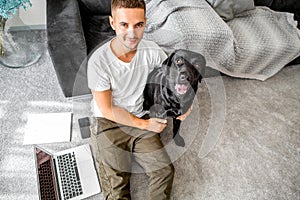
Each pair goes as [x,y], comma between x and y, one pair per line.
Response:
[68,174]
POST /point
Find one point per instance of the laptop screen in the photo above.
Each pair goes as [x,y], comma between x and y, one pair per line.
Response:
[45,174]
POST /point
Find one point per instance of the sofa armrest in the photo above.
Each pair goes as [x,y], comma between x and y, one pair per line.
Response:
[66,44]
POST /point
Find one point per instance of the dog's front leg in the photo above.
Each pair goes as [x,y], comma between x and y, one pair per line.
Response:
[178,139]
[158,111]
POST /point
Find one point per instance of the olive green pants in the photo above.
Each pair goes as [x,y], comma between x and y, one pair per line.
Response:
[115,147]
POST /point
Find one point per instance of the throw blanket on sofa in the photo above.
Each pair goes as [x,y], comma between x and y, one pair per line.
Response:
[255,44]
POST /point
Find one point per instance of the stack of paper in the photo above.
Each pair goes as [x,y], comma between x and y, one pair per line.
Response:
[48,128]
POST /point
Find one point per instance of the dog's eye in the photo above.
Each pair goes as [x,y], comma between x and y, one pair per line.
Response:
[179,61]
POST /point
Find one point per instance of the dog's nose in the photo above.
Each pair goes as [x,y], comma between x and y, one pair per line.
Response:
[182,77]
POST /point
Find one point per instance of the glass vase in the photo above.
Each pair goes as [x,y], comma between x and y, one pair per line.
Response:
[18,45]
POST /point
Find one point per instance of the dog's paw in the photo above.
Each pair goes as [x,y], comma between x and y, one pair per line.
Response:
[179,141]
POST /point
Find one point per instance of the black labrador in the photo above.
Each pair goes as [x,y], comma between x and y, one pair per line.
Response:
[171,88]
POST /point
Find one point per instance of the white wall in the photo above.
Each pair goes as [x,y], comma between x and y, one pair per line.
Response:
[34,16]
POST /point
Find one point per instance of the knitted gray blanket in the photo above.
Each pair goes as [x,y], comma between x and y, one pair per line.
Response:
[255,44]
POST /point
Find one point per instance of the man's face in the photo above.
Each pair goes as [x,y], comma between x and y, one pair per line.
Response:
[129,25]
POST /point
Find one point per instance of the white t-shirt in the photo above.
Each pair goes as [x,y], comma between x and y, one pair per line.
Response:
[126,80]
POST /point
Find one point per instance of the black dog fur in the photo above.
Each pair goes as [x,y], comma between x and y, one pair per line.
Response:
[171,88]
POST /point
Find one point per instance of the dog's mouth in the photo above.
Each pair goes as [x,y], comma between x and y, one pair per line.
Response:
[181,88]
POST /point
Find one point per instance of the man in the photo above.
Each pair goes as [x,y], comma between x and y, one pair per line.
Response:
[121,130]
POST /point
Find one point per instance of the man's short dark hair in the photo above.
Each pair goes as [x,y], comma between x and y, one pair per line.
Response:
[128,4]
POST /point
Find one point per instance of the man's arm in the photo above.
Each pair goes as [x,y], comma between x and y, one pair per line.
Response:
[122,116]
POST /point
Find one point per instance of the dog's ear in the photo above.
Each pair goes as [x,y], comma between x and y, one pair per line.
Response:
[168,61]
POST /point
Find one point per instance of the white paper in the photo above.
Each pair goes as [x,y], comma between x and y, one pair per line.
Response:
[48,128]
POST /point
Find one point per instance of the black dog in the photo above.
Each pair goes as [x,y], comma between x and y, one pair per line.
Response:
[171,88]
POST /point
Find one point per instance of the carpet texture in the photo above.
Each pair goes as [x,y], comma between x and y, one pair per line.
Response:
[243,136]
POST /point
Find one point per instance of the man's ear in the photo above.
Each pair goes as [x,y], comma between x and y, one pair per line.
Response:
[111,21]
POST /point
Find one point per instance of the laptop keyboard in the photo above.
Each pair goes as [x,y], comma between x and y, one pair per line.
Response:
[46,182]
[70,180]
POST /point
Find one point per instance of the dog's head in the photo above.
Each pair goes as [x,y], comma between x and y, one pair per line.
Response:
[184,69]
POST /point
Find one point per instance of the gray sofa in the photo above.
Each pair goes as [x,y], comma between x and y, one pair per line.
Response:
[75,28]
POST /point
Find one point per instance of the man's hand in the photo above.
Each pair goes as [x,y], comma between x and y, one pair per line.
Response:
[184,116]
[156,125]
[122,116]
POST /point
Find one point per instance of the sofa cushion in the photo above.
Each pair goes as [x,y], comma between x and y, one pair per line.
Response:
[292,6]
[97,7]
[267,3]
[97,30]
[227,9]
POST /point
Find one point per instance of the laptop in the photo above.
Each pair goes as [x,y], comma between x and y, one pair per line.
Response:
[68,174]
